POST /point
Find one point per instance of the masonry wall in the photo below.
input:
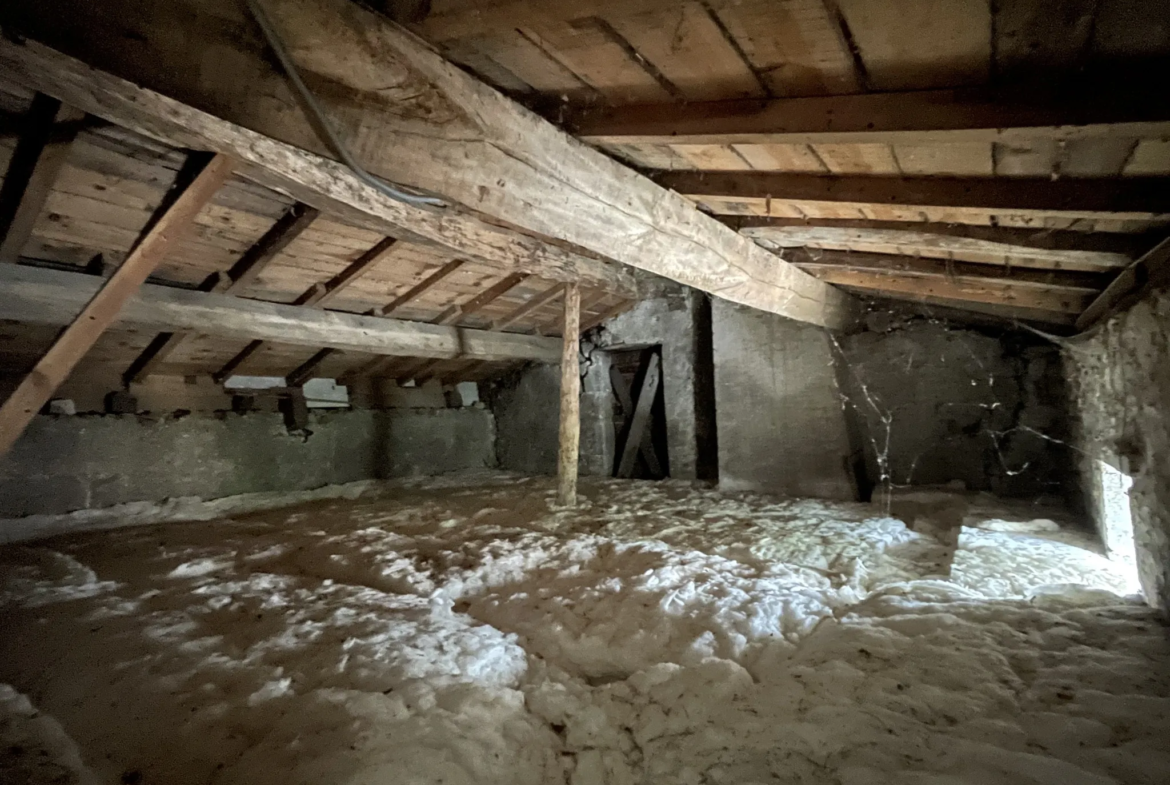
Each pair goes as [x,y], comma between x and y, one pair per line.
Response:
[1120,380]
[939,403]
[909,401]
[66,463]
[778,408]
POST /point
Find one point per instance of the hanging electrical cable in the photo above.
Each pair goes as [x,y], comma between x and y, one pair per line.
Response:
[324,126]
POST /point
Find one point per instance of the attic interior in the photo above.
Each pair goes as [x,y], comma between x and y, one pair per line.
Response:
[499,391]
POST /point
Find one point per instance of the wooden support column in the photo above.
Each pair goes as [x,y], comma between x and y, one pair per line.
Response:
[570,432]
[101,311]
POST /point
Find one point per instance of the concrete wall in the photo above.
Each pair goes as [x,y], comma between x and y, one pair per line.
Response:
[526,406]
[778,408]
[62,464]
[987,409]
[1120,379]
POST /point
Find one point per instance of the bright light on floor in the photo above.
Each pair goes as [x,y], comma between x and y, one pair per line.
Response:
[1116,519]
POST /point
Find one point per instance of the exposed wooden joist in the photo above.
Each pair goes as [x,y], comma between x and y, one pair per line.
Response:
[104,302]
[535,304]
[46,137]
[1148,272]
[242,274]
[454,315]
[960,288]
[1141,198]
[317,296]
[909,242]
[569,432]
[1112,245]
[417,290]
[965,309]
[308,177]
[53,297]
[917,117]
[608,313]
[457,313]
[1075,282]
[305,371]
[468,143]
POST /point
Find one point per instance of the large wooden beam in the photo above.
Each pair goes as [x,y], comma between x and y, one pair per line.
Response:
[1110,245]
[1148,272]
[918,117]
[1141,198]
[1073,283]
[308,177]
[241,275]
[442,132]
[911,242]
[569,433]
[959,288]
[44,143]
[52,297]
[106,299]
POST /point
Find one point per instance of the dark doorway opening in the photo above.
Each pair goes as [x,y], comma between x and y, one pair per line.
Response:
[639,414]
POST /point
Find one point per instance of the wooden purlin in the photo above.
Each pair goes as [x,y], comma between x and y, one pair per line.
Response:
[101,311]
[40,296]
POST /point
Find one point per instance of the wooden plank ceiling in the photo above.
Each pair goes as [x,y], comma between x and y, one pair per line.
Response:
[255,242]
[1011,153]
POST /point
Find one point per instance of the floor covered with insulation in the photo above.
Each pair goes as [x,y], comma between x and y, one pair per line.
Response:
[460,631]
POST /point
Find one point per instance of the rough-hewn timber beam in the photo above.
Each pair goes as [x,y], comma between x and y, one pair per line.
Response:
[1115,245]
[39,296]
[446,133]
[103,302]
[960,288]
[918,117]
[1130,198]
[308,177]
[909,242]
[1077,282]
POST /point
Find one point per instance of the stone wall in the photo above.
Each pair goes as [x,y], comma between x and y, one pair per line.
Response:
[1120,379]
[939,403]
[778,408]
[67,463]
[913,401]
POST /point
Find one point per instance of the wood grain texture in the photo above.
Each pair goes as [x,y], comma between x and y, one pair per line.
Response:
[52,297]
[105,302]
[569,433]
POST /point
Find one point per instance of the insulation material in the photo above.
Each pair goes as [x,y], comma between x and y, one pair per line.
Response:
[461,632]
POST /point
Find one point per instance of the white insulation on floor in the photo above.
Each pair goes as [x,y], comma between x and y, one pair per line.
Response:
[461,632]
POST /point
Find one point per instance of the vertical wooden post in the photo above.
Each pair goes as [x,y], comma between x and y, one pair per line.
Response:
[570,434]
